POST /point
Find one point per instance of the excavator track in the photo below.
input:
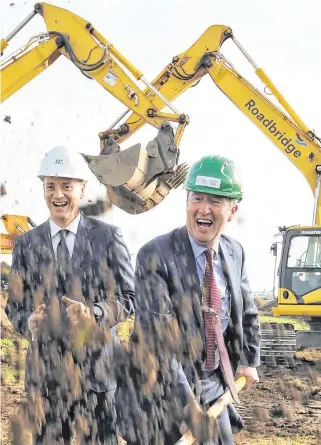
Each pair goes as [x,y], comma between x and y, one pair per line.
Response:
[278,345]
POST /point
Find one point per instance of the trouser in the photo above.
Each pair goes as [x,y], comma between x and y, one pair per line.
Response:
[224,430]
[172,435]
[208,388]
[93,417]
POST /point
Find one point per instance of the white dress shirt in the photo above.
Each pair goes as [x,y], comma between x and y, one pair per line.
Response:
[71,237]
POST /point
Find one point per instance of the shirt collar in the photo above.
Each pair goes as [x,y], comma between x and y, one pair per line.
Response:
[73,226]
[198,249]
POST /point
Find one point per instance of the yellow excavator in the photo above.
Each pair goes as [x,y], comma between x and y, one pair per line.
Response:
[15,225]
[138,178]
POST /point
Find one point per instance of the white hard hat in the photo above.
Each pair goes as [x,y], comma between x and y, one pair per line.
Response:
[63,163]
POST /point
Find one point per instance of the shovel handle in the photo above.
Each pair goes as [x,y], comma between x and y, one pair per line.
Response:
[215,410]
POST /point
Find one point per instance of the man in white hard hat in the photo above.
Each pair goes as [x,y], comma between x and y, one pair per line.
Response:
[71,284]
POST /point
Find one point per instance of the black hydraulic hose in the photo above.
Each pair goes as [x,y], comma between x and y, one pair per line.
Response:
[182,77]
[74,58]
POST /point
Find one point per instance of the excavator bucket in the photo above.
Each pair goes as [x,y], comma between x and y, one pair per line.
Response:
[139,178]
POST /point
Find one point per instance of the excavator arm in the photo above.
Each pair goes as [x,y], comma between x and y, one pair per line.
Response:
[282,126]
[139,177]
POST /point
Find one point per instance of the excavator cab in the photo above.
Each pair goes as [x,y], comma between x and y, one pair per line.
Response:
[300,273]
[299,276]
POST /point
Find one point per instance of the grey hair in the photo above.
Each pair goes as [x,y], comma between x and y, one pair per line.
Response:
[232,202]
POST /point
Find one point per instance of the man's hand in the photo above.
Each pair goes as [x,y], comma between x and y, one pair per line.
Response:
[250,374]
[76,311]
[36,318]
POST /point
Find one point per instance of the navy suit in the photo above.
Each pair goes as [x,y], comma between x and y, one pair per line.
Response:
[169,322]
[100,270]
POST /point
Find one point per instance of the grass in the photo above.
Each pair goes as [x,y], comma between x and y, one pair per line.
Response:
[7,344]
[298,323]
[9,350]
[125,329]
[10,375]
[281,441]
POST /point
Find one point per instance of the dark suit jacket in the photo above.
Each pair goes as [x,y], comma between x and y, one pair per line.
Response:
[100,270]
[168,288]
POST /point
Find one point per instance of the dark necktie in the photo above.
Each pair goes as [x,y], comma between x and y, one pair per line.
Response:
[63,261]
[213,329]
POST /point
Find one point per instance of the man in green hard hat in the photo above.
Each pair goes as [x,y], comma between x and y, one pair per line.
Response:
[194,278]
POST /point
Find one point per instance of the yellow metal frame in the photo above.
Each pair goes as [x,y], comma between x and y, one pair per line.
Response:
[259,109]
[298,310]
[15,225]
[6,243]
[89,46]
[26,67]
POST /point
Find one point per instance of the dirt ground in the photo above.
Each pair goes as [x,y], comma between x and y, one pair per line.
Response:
[283,409]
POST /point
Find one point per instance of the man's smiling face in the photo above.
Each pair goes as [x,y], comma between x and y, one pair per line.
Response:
[207,216]
[63,197]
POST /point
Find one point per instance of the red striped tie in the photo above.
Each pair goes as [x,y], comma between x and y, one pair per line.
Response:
[213,328]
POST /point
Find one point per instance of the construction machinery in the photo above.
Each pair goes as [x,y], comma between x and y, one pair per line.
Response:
[15,225]
[139,178]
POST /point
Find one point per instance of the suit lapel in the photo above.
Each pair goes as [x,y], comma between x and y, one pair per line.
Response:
[45,242]
[231,274]
[186,266]
[185,261]
[84,239]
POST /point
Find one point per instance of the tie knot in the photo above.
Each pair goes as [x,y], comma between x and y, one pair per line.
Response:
[63,234]
[209,255]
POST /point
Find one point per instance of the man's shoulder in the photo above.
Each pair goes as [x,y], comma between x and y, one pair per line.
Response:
[162,243]
[101,225]
[33,233]
[232,244]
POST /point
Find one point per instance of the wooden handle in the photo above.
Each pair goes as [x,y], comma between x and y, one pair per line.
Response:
[215,410]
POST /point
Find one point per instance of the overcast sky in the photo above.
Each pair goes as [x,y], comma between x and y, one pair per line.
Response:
[62,106]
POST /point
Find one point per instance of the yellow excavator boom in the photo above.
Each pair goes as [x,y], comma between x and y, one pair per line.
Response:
[283,127]
[147,173]
[140,177]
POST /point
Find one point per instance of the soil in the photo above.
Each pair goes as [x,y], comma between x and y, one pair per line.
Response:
[284,408]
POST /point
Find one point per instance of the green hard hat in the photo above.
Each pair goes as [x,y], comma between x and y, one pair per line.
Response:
[216,175]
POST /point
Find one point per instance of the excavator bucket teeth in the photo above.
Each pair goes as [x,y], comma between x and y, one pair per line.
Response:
[178,178]
[149,197]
